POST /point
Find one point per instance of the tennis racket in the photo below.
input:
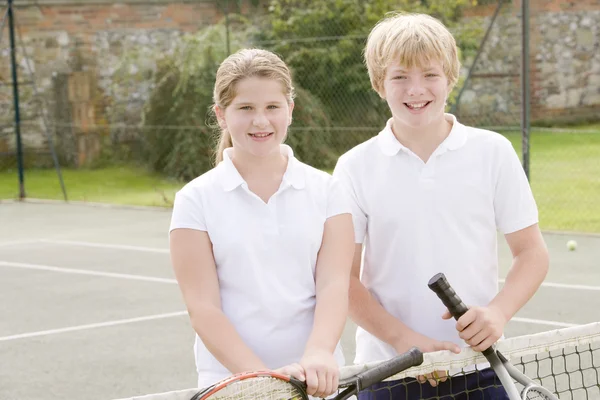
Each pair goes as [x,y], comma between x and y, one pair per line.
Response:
[267,385]
[504,369]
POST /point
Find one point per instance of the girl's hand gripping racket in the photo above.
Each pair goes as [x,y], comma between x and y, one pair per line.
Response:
[267,385]
[506,371]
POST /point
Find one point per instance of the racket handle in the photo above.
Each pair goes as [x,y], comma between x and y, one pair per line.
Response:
[440,285]
[404,361]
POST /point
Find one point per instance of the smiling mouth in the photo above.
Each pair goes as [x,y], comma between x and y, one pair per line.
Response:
[417,106]
[261,134]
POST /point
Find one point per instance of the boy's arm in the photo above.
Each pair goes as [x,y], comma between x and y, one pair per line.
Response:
[366,311]
[529,268]
[481,327]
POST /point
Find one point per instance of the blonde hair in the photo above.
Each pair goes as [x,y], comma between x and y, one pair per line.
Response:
[246,63]
[412,40]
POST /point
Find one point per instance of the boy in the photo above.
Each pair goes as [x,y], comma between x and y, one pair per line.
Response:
[428,196]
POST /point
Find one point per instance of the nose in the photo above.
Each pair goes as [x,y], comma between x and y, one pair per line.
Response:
[416,88]
[260,120]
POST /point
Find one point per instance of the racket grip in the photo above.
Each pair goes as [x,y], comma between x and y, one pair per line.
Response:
[404,361]
[440,285]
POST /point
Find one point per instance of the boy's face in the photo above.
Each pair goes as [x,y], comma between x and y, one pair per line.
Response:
[416,96]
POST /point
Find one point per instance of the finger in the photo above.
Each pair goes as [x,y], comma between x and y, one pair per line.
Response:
[446,315]
[294,370]
[472,330]
[443,376]
[328,384]
[431,379]
[312,382]
[321,383]
[336,381]
[453,347]
[466,319]
[477,339]
[486,344]
[421,379]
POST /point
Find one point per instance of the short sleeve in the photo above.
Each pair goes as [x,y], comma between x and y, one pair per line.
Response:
[514,204]
[337,199]
[187,212]
[359,217]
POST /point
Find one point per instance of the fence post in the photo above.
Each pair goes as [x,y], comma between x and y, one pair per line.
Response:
[13,60]
[525,89]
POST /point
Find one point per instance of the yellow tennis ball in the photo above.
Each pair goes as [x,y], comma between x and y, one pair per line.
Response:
[571,245]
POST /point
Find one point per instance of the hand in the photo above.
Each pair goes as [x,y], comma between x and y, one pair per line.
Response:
[321,371]
[480,327]
[294,370]
[427,345]
[434,378]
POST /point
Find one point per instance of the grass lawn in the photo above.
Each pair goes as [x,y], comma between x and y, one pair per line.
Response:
[565,177]
[117,185]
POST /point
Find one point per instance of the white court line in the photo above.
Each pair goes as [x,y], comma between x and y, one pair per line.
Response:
[107,246]
[92,326]
[19,242]
[566,286]
[86,272]
[543,322]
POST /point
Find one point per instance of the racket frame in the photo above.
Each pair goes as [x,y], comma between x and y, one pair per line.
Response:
[351,385]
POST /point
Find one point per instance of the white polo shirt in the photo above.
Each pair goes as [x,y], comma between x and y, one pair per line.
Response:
[265,255]
[417,219]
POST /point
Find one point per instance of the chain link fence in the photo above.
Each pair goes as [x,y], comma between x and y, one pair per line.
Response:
[126,87]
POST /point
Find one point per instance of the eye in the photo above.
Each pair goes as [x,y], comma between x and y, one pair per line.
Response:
[245,108]
[272,107]
[431,75]
[398,77]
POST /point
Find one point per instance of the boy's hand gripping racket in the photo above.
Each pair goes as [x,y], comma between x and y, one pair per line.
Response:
[267,385]
[506,371]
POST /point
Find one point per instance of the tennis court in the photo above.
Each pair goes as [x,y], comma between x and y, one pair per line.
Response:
[90,308]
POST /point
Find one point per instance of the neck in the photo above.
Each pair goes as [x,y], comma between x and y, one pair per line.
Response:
[250,166]
[428,136]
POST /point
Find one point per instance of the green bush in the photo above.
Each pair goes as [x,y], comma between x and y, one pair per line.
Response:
[177,132]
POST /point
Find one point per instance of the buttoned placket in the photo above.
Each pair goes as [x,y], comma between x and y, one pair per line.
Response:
[268,212]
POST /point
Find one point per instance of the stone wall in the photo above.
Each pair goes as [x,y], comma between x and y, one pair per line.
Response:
[564,64]
[56,38]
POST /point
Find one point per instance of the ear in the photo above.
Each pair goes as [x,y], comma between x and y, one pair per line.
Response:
[291,107]
[220,113]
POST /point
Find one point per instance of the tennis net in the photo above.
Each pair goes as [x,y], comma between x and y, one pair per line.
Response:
[565,361]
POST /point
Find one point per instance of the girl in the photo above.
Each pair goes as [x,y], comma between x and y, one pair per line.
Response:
[262,244]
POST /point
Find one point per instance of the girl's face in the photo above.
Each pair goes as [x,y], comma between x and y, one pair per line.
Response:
[258,117]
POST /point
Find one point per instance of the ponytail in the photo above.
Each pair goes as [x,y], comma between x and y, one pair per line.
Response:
[224,143]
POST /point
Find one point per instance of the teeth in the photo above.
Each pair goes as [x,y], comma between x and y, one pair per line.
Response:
[416,105]
[261,135]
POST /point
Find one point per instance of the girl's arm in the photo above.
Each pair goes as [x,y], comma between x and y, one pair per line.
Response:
[195,270]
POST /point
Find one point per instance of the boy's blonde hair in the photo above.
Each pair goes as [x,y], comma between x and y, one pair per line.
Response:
[412,40]
[246,63]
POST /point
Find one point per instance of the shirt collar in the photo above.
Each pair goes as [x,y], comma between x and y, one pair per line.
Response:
[390,146]
[231,178]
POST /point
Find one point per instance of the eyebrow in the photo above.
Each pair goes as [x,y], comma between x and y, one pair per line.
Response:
[249,103]
[400,70]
